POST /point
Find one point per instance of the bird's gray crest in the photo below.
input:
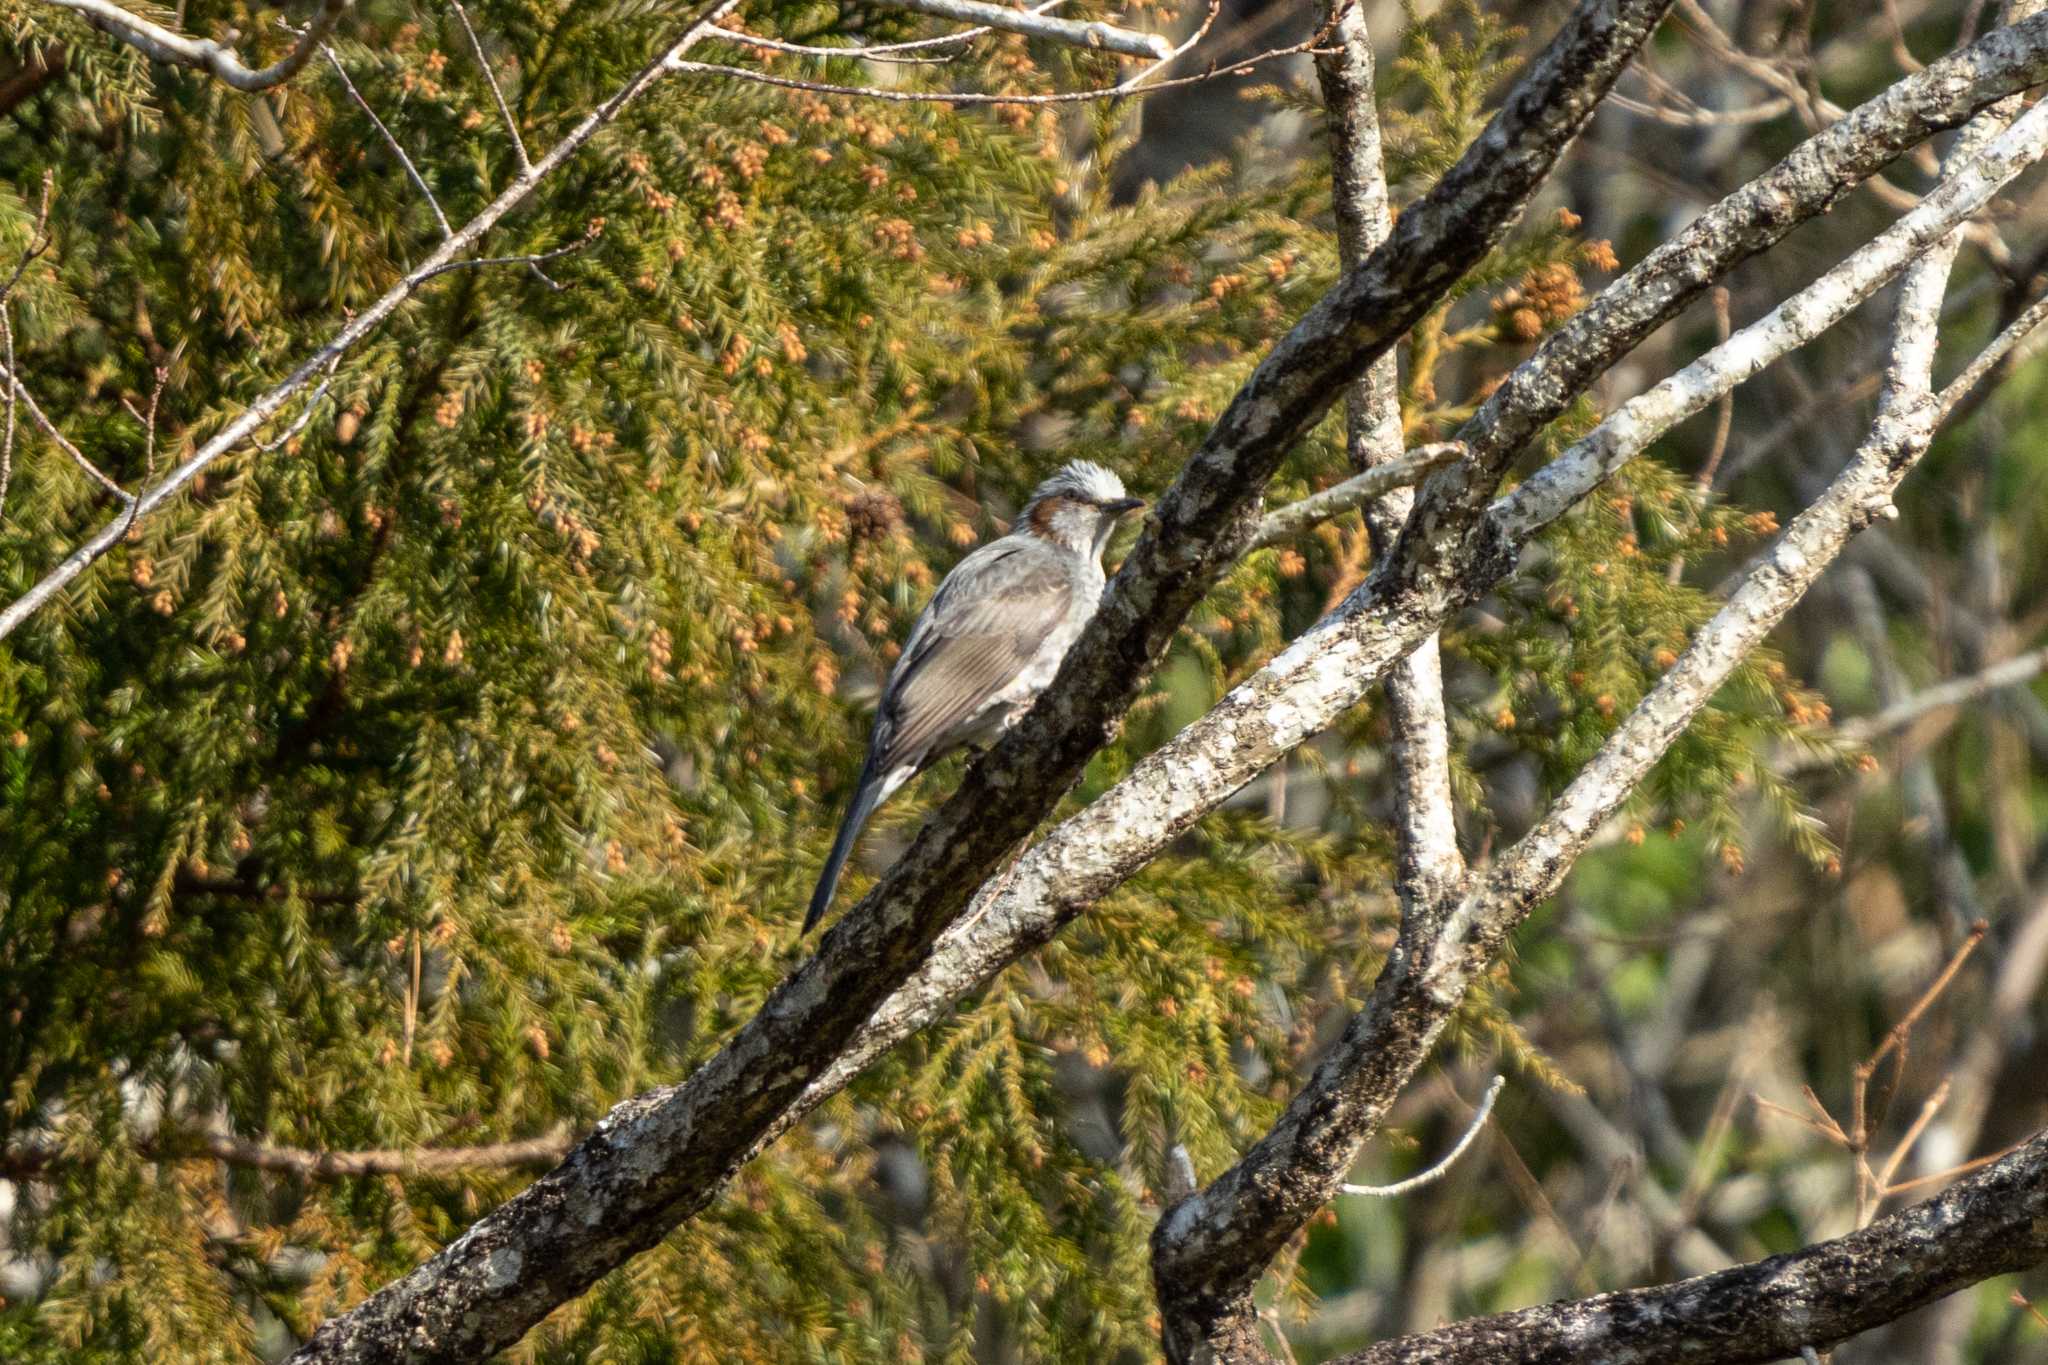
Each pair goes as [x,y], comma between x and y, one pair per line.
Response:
[1083,479]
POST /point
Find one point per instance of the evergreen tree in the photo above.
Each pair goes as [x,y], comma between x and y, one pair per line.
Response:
[459,767]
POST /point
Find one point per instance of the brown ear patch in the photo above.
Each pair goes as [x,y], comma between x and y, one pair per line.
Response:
[1046,510]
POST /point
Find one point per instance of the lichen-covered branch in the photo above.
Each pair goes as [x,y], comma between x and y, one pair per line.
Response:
[203,54]
[1428,863]
[658,1158]
[1992,1222]
[1209,1249]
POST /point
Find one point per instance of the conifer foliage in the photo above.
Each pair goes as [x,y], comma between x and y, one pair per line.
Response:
[454,763]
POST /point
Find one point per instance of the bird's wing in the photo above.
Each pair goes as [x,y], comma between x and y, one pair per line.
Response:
[985,624]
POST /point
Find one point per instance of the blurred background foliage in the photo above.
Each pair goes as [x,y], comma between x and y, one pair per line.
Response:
[461,767]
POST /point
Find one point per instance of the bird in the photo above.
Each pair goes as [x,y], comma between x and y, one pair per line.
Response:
[987,644]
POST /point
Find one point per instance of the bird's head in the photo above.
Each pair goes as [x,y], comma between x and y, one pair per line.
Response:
[1079,507]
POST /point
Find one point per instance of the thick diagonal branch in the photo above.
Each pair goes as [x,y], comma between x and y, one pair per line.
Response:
[1336,662]
[1991,1223]
[657,1159]
[1210,1248]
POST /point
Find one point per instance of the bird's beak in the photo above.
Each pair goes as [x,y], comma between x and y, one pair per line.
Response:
[1123,507]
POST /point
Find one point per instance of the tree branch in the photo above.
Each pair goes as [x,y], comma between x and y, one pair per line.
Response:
[1403,471]
[1991,1223]
[1449,1159]
[452,249]
[203,54]
[1209,1251]
[657,1159]
[2011,672]
[538,1153]
[1427,861]
[1031,24]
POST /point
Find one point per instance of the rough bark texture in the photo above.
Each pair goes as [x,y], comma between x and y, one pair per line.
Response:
[1211,1248]
[1325,670]
[657,1159]
[1991,1223]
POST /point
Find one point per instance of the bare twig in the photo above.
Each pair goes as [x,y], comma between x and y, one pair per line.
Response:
[483,63]
[1703,118]
[30,1161]
[148,423]
[412,172]
[306,412]
[1902,54]
[2001,347]
[882,54]
[877,51]
[1142,83]
[203,54]
[1449,1159]
[1033,24]
[533,259]
[2011,672]
[1289,521]
[49,429]
[38,243]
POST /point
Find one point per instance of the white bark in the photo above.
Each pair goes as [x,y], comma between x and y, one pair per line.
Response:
[203,54]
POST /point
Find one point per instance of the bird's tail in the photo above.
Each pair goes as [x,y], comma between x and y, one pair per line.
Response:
[865,798]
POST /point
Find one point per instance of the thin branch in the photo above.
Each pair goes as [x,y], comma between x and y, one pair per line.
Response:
[1405,471]
[483,63]
[455,248]
[1450,1158]
[148,423]
[1143,83]
[1704,118]
[1895,1040]
[203,54]
[1630,429]
[538,1153]
[306,412]
[49,429]
[38,243]
[865,54]
[1033,24]
[7,441]
[1901,54]
[534,259]
[878,51]
[2002,346]
[413,172]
